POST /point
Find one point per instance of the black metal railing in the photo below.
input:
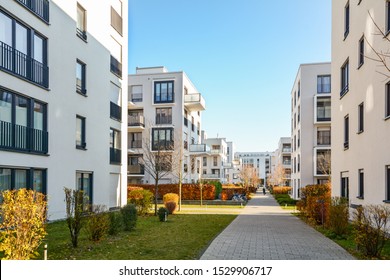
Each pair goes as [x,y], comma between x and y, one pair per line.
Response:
[18,63]
[39,7]
[21,138]
[115,111]
[115,156]
[116,67]
[82,34]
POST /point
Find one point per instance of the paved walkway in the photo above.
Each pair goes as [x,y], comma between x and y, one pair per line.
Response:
[264,231]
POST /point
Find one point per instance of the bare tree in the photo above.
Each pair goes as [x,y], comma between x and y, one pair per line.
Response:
[278,176]
[324,165]
[380,56]
[249,176]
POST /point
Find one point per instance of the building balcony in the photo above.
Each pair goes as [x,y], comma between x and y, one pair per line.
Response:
[135,144]
[211,176]
[228,165]
[135,123]
[286,150]
[40,8]
[135,170]
[23,139]
[199,149]
[194,102]
[23,66]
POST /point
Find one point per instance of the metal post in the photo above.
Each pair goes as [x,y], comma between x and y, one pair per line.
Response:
[45,252]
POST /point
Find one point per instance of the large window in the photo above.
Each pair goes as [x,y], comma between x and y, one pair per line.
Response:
[162,139]
[344,192]
[84,183]
[23,123]
[23,52]
[346,132]
[323,109]
[115,102]
[164,116]
[81,77]
[323,136]
[323,84]
[361,183]
[344,78]
[136,93]
[116,57]
[18,178]
[116,16]
[115,146]
[323,162]
[81,22]
[163,92]
[80,133]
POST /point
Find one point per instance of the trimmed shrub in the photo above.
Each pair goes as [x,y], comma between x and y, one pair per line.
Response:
[338,216]
[129,216]
[116,223]
[171,197]
[314,203]
[162,214]
[281,190]
[142,199]
[284,199]
[218,189]
[371,230]
[98,223]
[23,216]
[171,206]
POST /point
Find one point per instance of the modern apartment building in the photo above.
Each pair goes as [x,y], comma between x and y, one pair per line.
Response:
[261,161]
[283,159]
[310,126]
[360,102]
[215,164]
[164,110]
[61,95]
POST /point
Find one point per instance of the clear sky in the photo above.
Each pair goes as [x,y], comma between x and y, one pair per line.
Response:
[242,55]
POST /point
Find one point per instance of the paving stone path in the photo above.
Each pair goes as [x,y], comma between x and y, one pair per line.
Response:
[265,231]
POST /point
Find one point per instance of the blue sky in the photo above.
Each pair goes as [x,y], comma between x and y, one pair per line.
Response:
[242,55]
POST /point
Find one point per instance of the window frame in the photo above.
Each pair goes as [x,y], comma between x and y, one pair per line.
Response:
[81,32]
[83,144]
[167,119]
[82,187]
[346,132]
[361,52]
[387,101]
[344,78]
[29,177]
[346,20]
[360,184]
[387,182]
[321,88]
[361,118]
[172,94]
[82,89]
[168,145]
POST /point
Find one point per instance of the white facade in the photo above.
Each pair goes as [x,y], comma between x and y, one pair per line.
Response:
[261,161]
[57,129]
[360,103]
[310,125]
[166,105]
[283,158]
[215,164]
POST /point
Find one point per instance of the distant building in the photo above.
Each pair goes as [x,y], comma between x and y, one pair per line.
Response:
[261,161]
[311,126]
[282,158]
[360,102]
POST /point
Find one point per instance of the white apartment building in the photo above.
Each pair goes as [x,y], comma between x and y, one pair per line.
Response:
[310,126]
[164,107]
[61,96]
[215,164]
[283,159]
[360,102]
[261,161]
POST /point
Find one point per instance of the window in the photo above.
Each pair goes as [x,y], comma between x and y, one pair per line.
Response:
[162,139]
[387,17]
[295,98]
[134,165]
[136,118]
[346,132]
[84,183]
[40,8]
[204,160]
[192,123]
[215,161]
[299,89]
[323,84]
[185,118]
[344,78]
[323,136]
[387,100]
[299,113]
[295,120]
[136,93]
[299,138]
[80,78]
[164,162]
[116,16]
[18,178]
[115,102]
[346,20]
[361,184]
[361,51]
[388,183]
[323,162]
[163,92]
[185,139]
[81,22]
[23,51]
[80,133]
[344,185]
[323,109]
[299,163]
[361,118]
[23,123]
[164,116]
[135,140]
[116,58]
[115,146]
[198,128]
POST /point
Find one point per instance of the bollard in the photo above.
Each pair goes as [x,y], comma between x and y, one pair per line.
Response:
[165,217]
[45,253]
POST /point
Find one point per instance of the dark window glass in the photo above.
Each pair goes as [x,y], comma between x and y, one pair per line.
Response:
[361,183]
[361,118]
[346,132]
[344,78]
[361,51]
[80,133]
[163,92]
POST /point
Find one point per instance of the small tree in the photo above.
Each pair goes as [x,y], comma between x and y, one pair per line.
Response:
[23,214]
[74,200]
[278,176]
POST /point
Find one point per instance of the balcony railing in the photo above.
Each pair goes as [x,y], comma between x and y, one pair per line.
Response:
[116,67]
[22,138]
[136,144]
[323,140]
[136,97]
[136,121]
[137,169]
[286,150]
[199,148]
[39,7]
[115,156]
[115,111]
[287,162]
[19,64]
[82,34]
[194,101]
[210,176]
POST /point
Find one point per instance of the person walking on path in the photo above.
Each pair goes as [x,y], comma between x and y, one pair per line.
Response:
[264,231]
[264,190]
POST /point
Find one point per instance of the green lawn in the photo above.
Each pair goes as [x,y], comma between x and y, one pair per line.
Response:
[182,237]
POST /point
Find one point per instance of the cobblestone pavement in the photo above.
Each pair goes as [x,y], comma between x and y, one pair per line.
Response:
[264,231]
